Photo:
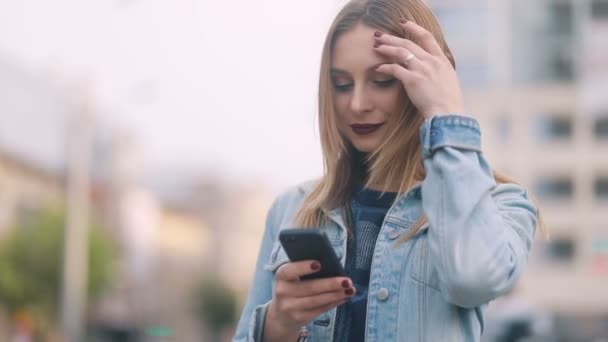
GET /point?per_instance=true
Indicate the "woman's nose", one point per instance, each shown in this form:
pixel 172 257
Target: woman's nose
pixel 360 101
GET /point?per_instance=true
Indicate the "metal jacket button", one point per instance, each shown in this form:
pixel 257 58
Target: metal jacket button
pixel 382 294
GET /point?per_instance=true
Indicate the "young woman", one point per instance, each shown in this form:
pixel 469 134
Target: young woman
pixel 427 232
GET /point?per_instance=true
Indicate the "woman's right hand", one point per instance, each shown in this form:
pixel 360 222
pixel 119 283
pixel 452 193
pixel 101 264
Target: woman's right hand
pixel 296 302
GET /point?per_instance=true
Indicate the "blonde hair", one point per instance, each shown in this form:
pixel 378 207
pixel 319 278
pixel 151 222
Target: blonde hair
pixel 397 163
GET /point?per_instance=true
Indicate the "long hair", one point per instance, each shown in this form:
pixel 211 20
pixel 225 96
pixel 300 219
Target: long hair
pixel 397 163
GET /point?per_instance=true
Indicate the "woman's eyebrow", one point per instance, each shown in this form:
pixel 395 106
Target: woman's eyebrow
pixel 334 70
pixel 338 71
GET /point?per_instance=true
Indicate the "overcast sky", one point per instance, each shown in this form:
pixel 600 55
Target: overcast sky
pixel 226 85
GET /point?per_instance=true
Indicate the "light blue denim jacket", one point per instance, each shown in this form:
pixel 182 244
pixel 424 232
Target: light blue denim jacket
pixel 435 286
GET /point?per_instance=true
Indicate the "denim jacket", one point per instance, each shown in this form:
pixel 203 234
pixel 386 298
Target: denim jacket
pixel 435 286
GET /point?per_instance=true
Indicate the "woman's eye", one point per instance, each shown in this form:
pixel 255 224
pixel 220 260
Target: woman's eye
pixel 343 87
pixel 346 87
pixel 385 83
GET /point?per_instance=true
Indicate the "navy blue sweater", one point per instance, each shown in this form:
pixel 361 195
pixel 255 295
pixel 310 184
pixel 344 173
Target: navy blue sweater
pixel 368 209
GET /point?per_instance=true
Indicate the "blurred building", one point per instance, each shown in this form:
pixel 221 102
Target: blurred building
pixel 31 150
pixel 162 252
pixel 161 272
pixel 236 217
pixel 25 188
pixel 162 248
pixel 534 74
pixel 197 227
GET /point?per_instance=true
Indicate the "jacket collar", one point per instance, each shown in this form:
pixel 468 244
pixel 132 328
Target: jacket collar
pixel 394 213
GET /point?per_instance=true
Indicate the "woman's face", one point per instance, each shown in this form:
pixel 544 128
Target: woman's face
pixel 364 99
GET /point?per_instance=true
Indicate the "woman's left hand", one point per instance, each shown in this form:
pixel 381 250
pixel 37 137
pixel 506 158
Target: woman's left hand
pixel 427 75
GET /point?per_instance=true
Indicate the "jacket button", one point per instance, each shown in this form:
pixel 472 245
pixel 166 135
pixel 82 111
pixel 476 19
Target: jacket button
pixel 382 294
pixel 393 234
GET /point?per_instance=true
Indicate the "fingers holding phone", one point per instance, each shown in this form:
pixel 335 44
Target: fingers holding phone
pixel 312 283
pixel 295 302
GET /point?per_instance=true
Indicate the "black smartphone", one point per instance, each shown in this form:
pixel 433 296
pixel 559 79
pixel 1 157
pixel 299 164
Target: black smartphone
pixel 311 244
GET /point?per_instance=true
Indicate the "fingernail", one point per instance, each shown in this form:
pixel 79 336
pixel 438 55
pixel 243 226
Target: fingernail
pixel 403 21
pixel 376 44
pixel 345 284
pixel 315 265
pixel 349 292
pixel 378 34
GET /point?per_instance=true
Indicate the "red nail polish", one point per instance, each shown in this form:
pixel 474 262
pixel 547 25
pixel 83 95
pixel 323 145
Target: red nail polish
pixel 315 266
pixel 345 284
pixel 349 292
pixel 378 34
pixel 403 21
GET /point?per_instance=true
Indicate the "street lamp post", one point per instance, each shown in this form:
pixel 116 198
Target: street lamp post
pixel 77 227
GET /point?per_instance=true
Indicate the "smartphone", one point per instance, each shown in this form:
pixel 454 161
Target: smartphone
pixel 311 244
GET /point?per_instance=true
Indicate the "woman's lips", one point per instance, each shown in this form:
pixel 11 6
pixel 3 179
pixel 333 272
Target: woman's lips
pixel 364 129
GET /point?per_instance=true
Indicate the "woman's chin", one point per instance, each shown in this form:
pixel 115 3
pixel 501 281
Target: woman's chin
pixel 365 147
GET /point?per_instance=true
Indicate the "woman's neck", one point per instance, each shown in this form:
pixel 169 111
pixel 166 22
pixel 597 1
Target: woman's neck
pixel 384 188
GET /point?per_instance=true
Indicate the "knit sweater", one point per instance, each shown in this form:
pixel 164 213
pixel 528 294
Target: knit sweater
pixel 368 209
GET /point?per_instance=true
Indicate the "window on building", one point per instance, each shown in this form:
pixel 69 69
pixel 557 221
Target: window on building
pixel 560 249
pixel 600 187
pixel 599 9
pixel 542 39
pixel 561 18
pixel 561 32
pixel 549 128
pixel 555 188
pixel 562 66
pixel 600 127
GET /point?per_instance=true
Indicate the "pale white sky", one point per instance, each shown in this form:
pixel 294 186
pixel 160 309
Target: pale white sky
pixel 223 84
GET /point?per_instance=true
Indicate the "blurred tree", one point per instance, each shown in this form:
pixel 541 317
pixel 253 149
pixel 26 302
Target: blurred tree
pixel 218 307
pixel 31 265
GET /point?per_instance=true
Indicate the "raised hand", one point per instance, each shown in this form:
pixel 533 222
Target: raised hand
pixel 427 75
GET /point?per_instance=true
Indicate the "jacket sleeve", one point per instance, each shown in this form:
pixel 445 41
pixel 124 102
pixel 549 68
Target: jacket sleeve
pixel 479 232
pixel 251 323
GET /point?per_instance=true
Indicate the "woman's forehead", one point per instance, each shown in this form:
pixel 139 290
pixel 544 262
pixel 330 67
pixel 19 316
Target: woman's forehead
pixel 354 50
